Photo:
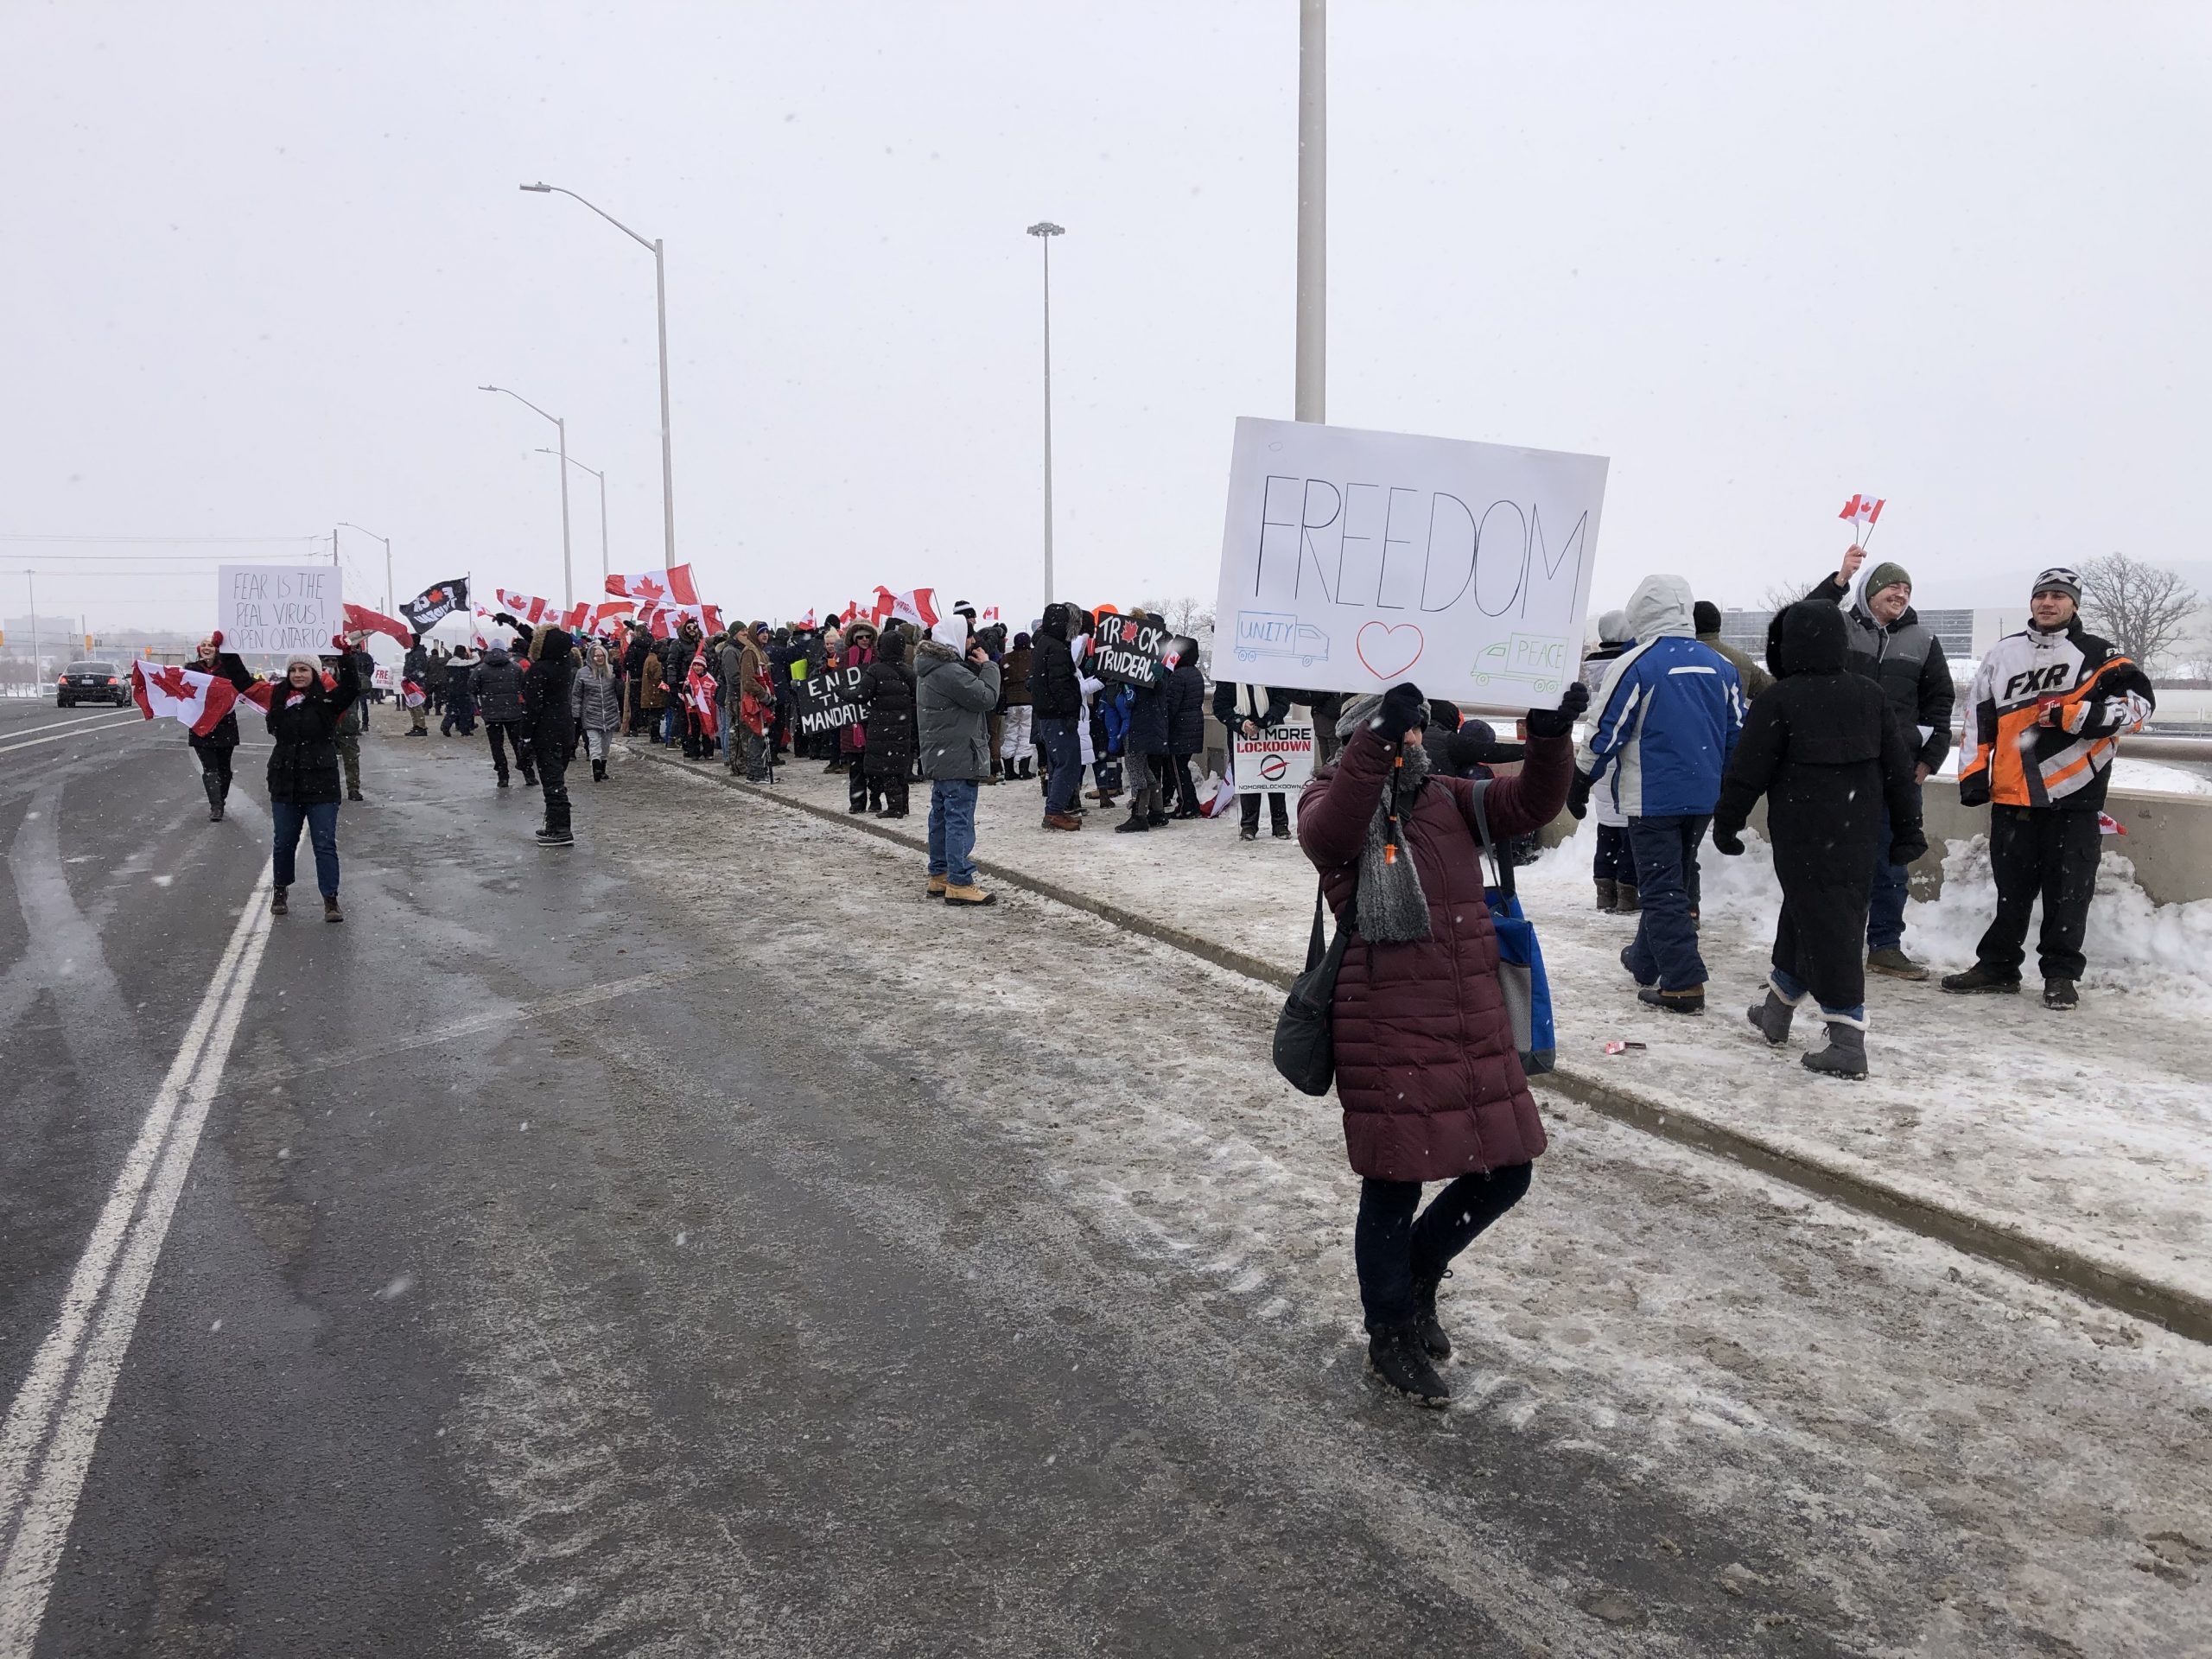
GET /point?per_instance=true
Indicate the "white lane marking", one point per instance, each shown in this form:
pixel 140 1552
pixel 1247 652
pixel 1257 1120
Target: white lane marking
pixel 52 1429
pixel 86 726
pixel 56 725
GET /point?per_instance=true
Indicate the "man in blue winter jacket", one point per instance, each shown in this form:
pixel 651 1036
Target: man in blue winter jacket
pixel 1664 723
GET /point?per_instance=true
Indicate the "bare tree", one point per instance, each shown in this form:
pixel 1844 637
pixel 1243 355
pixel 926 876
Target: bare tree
pixel 2144 609
pixel 1186 617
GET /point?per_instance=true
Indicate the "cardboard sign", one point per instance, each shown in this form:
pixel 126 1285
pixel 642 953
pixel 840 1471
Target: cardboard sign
pixel 819 703
pixel 1123 652
pixel 1280 758
pixel 279 608
pixel 1352 561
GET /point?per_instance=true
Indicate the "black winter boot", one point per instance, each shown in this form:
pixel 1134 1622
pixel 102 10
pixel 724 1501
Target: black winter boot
pixel 1626 902
pixel 1689 1000
pixel 599 771
pixel 1026 771
pixel 1134 824
pixel 2060 994
pixel 1844 1056
pixel 1396 1356
pixel 1609 896
pixel 1773 1017
pixel 1431 1334
pixel 1983 979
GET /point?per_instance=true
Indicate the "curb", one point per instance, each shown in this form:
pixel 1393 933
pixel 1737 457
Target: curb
pixel 2092 1278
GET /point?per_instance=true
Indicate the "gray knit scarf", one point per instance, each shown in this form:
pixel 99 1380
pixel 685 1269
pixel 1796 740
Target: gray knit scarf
pixel 1392 908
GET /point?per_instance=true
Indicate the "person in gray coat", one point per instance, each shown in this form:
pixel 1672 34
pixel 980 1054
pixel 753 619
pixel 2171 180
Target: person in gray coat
pixel 956 688
pixel 595 701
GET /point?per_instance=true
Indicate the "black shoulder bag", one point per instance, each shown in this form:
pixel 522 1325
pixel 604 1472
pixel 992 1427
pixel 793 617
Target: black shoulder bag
pixel 1306 1048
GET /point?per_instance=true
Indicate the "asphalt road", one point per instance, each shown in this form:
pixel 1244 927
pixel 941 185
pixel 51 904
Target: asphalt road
pixel 674 1245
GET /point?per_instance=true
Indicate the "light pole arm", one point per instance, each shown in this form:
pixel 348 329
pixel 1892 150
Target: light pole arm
pixel 524 402
pixel 561 190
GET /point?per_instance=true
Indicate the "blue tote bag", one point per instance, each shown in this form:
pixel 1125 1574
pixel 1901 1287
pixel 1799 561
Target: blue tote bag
pixel 1520 959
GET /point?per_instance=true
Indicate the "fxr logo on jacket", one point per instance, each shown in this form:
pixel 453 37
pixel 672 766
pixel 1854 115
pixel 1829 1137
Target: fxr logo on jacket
pixel 2048 738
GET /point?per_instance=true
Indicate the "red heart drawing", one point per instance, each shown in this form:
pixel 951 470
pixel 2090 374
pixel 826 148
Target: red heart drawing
pixel 1388 650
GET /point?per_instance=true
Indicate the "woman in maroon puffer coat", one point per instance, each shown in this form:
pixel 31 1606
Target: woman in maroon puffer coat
pixel 1426 1070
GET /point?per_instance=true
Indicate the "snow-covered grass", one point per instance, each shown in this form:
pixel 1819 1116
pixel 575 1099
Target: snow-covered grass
pixel 2090 1128
pixel 2149 775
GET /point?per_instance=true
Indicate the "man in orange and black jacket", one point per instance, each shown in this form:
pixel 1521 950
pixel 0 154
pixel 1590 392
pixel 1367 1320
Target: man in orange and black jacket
pixel 2043 723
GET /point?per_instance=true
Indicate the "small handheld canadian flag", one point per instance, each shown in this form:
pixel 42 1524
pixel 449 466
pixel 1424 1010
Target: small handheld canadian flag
pixel 1863 510
pixel 2108 825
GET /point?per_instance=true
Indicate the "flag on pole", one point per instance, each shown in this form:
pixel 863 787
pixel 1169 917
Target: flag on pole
pixel 197 699
pixel 806 621
pixel 917 606
pixel 1861 510
pixel 360 619
pixel 990 615
pixel 672 586
pixel 433 605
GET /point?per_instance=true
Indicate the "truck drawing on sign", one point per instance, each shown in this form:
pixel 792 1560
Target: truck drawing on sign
pixel 1278 634
pixel 1536 659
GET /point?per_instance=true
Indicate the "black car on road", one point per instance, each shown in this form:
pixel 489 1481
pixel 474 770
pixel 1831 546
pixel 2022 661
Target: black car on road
pixel 92 682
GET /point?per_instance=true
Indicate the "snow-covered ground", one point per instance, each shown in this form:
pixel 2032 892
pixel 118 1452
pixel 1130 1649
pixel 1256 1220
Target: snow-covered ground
pixel 2092 1129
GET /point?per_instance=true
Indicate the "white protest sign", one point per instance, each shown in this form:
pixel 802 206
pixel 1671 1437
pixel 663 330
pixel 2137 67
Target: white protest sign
pixel 1280 758
pixel 1353 560
pixel 273 608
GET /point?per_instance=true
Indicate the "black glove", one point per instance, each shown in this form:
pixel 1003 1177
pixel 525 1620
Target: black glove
pixel 1578 796
pixel 1403 708
pixel 1974 789
pixel 1907 843
pixel 1560 722
pixel 1730 842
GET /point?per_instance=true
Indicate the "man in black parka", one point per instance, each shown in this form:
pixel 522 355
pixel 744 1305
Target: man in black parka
pixel 1821 745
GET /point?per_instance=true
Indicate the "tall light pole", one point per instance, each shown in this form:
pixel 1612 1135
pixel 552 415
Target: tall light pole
pixel 347 523
pixel 567 580
pixel 602 477
pixel 1309 399
pixel 1044 230
pixel 660 302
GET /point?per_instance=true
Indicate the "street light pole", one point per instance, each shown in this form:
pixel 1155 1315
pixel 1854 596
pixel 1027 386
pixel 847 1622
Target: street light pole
pixel 660 304
pixel 1309 399
pixel 602 477
pixel 347 523
pixel 1044 230
pixel 568 579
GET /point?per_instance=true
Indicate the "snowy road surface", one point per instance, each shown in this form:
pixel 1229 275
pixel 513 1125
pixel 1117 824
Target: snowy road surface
pixel 697 1242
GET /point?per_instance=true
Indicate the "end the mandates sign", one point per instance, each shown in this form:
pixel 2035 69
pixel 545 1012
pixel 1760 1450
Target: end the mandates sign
pixel 1352 561
pixel 279 607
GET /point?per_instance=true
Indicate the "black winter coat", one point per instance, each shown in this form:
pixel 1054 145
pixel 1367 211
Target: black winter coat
pixel 224 733
pixel 1054 691
pixel 549 696
pixel 303 766
pixel 1147 732
pixel 888 689
pixel 1907 661
pixel 1821 745
pixel 496 683
pixel 1275 706
pixel 1187 709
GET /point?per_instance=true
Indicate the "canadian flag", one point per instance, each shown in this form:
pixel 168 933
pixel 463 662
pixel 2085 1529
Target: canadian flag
pixel 484 631
pixel 608 610
pixel 1220 798
pixel 200 701
pixel 806 621
pixel 258 693
pixel 916 604
pixel 527 608
pixel 852 609
pixel 1861 510
pixel 699 695
pixel 990 615
pixel 360 619
pixel 2108 825
pixel 656 586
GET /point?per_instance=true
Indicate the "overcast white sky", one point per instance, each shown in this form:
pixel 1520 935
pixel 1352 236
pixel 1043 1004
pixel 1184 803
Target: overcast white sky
pixel 256 258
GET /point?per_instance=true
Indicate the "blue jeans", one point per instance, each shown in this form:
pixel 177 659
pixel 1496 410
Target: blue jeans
pixel 321 823
pixel 952 831
pixel 1886 905
pixel 1665 949
pixel 1063 762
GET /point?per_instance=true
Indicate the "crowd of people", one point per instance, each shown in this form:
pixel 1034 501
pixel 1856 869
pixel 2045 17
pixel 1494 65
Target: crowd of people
pixel 1681 736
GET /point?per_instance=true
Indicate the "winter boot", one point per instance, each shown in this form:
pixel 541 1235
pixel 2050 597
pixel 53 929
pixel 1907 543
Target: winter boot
pixel 1893 962
pixel 1248 832
pixel 1135 823
pixel 1609 896
pixel 1982 979
pixel 352 794
pixel 555 838
pixel 1689 1000
pixel 276 905
pixel 1396 1355
pixel 937 887
pixel 1846 1054
pixel 1430 1332
pixel 1773 1017
pixel 2059 993
pixel 1625 903
pixel 1157 820
pixel 970 894
pixel 330 911
pixel 1062 821
pixel 599 771
pixel 1026 772
pixel 214 788
pixel 1628 955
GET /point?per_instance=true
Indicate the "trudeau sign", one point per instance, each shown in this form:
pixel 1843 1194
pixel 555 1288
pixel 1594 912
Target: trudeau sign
pixel 1352 561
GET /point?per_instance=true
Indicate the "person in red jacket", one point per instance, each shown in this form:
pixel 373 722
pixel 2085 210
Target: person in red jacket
pixel 1426 1070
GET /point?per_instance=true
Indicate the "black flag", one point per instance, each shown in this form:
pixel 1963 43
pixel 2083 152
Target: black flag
pixel 433 605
